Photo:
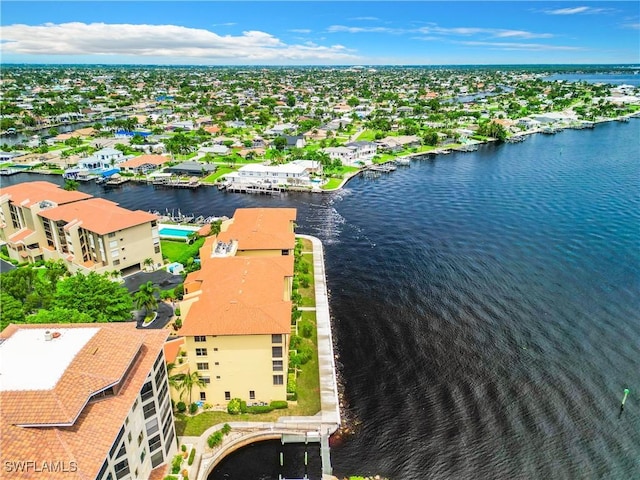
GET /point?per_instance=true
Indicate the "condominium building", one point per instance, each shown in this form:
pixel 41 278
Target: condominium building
pixel 237 308
pixel 84 401
pixel 41 221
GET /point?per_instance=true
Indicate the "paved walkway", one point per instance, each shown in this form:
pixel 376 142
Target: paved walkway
pixel 325 422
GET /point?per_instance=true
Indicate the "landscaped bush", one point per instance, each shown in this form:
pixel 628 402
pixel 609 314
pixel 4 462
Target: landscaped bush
pixel 193 408
pixel 181 407
pixel 294 342
pixel 183 448
pixel 307 330
pixel 243 406
pixel 215 439
pixel 292 387
pixel 278 404
pixel 207 406
pixel 192 455
pixel 260 409
pixel 226 428
pixel 176 463
pixel 233 407
pixel 304 281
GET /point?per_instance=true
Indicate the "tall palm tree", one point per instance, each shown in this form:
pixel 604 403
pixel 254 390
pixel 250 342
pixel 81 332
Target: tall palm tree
pixel 190 380
pixel 145 297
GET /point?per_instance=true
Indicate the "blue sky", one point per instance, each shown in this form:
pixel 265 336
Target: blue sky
pixel 320 33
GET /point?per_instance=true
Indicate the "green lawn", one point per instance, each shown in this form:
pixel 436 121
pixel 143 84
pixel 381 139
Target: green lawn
pixel 177 251
pixel 332 183
pixel 309 377
pixel 367 135
pixel 218 173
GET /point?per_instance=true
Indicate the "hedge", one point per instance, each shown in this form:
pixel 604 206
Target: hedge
pixel 278 404
pixel 192 455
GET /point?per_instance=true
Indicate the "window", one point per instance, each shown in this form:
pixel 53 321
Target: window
pixel 154 443
pixel 206 380
pixel 277 338
pixel 142 455
pixel 147 391
pixel 227 395
pixel 203 395
pixel 122 468
pixel 140 438
pixel 215 349
pixel 252 394
pixel 156 249
pixel 157 459
pixel 202 366
pixel 277 365
pixel 116 262
pixel 278 380
pixel 276 352
pixel 200 338
pixel 285 252
pixel 201 352
pixel 217 363
pixel 149 409
pixel 152 426
pixel 129 437
pixel 217 377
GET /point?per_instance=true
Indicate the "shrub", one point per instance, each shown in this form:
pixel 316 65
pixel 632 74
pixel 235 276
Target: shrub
pixel 192 455
pixel 304 281
pixel 181 407
pixel 260 409
pixel 193 408
pixel 307 330
pixel 177 311
pixel 291 383
pixel 243 406
pixel 215 439
pixel 176 463
pixel 183 448
pixel 233 407
pixel 295 284
pixel 207 406
pixel 278 404
pixel 294 342
pixel 226 428
pixel 185 474
pixel 179 291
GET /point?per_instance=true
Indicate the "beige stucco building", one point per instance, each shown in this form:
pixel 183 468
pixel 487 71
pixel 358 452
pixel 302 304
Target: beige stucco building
pixel 237 308
pixel 41 221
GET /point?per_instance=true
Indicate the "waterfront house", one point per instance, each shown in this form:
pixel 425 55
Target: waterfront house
pixel 192 168
pixel 101 161
pixel 297 173
pixel 395 144
pixel 84 401
pixel 144 164
pixel 237 308
pixel 41 221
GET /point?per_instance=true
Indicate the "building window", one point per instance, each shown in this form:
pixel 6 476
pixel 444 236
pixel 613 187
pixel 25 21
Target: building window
pixel 227 395
pixel 203 395
pixel 142 455
pixel 202 366
pixel 129 437
pixel 215 349
pixel 140 438
pixel 157 459
pixel 200 338
pixel 201 352
pixel 276 352
pixel 156 249
pixel 149 409
pixel 217 363
pixel 278 380
pixel 217 377
pixel 277 366
pixel 285 252
pixel 154 443
pixel 111 235
pixel 122 468
pixel 206 380
pixel 147 391
pixel 276 338
pixel 252 394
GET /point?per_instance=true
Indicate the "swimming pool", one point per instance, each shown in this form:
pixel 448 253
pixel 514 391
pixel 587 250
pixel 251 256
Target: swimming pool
pixel 175 232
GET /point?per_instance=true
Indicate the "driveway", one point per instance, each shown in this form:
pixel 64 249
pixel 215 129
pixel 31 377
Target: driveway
pixel 165 312
pixel 160 278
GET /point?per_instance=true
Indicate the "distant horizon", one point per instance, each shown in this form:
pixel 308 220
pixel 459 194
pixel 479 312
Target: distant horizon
pixel 355 65
pixel 312 33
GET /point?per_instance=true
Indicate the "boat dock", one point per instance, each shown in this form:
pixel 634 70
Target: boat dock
pixel 252 188
pixel 176 183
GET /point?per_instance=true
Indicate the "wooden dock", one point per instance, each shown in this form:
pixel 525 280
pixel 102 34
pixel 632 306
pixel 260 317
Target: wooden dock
pixel 173 183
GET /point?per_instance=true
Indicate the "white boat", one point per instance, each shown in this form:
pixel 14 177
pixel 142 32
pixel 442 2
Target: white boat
pixel 404 161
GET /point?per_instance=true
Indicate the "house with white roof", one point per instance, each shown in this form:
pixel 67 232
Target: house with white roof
pixel 296 173
pixel 100 162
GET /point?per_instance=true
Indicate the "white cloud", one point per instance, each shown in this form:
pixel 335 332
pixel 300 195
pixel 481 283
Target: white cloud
pixel 434 29
pixel 518 46
pixel 227 24
pixel 168 41
pixel 346 29
pixel 575 11
pixel 300 30
pixel 632 26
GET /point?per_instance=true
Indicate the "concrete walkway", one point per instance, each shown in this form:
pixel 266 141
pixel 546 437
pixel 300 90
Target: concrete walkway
pixel 323 423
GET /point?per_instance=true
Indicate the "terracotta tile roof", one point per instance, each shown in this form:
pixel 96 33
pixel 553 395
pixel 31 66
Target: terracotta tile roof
pixel 104 358
pixel 171 349
pixel 240 296
pixel 36 192
pixel 144 160
pixel 20 235
pixel 98 215
pixel 262 229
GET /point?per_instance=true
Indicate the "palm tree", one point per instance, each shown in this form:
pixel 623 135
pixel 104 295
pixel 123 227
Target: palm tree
pixel 190 380
pixel 145 297
pixel 174 379
pixel 148 262
pixel 71 185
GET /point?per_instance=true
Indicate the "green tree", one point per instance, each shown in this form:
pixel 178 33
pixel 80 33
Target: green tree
pixel 279 143
pixel 353 102
pixel 146 298
pixel 71 185
pixel 95 295
pixel 59 315
pixel 188 381
pixel 11 310
pixel 137 140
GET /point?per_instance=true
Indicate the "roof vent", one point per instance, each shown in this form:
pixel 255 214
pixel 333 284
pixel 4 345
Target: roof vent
pixel 48 336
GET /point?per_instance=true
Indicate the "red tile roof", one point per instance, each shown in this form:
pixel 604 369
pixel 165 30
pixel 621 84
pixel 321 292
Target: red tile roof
pixel 145 160
pixel 36 192
pixel 172 348
pixel 103 360
pixel 241 296
pixel 262 229
pixel 98 215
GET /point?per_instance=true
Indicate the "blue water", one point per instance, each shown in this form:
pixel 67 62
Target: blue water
pixel 485 308
pixel 174 232
pixel 612 78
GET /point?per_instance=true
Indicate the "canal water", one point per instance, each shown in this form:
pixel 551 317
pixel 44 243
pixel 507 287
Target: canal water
pixel 485 307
